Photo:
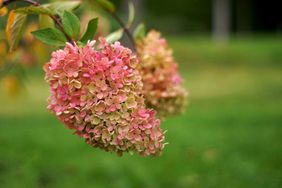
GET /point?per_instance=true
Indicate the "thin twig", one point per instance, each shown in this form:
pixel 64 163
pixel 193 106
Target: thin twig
pixel 123 25
pixel 125 28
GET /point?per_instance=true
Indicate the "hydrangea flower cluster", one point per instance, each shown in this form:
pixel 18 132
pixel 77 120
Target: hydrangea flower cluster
pixel 162 83
pixel 96 90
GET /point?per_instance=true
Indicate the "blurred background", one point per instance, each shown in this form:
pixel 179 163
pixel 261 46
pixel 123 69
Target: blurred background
pixel 230 54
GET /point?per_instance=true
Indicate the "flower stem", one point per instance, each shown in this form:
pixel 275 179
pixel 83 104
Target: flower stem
pixel 125 28
pixel 122 24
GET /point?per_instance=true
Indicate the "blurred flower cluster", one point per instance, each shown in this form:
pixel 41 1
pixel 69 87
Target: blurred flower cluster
pixel 163 90
pixel 97 91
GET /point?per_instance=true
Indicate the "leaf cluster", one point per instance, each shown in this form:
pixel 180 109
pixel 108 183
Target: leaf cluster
pixel 67 24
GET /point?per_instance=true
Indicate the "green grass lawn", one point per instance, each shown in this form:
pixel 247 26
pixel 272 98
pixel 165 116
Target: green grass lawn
pixel 229 137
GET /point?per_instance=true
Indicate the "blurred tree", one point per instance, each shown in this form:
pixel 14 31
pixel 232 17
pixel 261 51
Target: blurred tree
pixel 178 16
pixel 221 19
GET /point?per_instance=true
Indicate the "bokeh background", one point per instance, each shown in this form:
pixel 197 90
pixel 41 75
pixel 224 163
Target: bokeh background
pixel 230 54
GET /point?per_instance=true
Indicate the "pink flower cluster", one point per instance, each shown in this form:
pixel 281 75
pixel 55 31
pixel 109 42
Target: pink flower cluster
pixel 162 83
pixel 97 91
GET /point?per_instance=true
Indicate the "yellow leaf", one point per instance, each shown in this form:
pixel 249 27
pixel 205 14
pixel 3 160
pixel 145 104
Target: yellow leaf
pixel 3 11
pixel 10 22
pixel 14 28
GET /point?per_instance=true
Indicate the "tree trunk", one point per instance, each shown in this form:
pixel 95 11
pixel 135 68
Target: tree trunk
pixel 221 19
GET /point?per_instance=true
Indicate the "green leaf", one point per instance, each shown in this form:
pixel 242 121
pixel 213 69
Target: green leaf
pixel 50 36
pixel 131 13
pixel 60 7
pixel 71 24
pixel 140 32
pixel 115 36
pixel 106 5
pixel 34 10
pixel 14 28
pixel 91 30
